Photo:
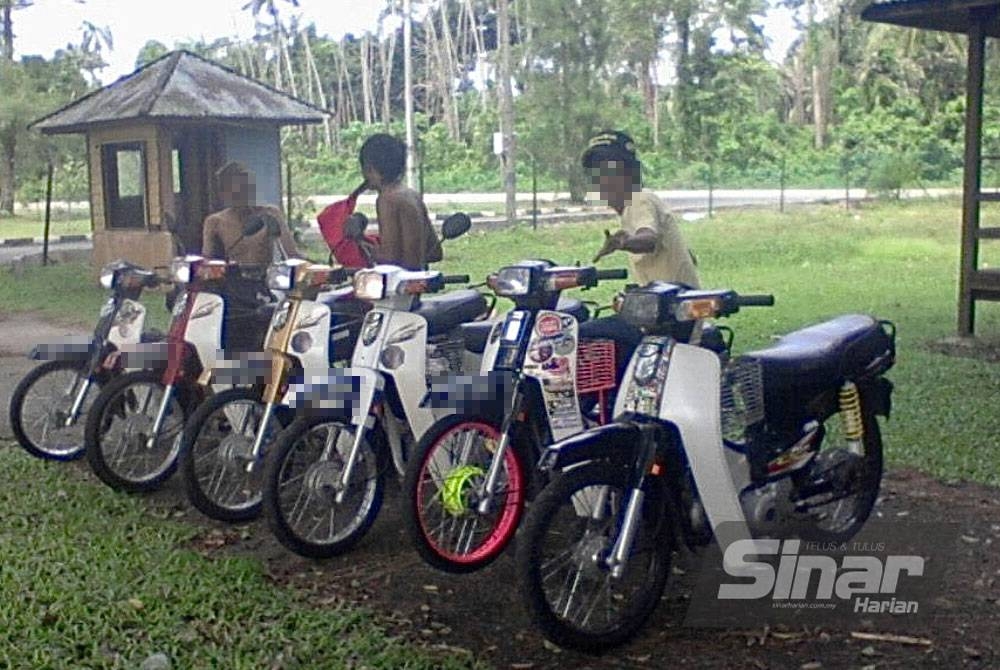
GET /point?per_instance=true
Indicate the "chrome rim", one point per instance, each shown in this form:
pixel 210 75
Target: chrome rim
pixel 128 421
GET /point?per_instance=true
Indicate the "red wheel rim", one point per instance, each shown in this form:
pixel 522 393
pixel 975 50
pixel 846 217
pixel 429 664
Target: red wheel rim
pixel 508 510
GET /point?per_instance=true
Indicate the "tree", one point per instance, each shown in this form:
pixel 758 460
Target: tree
pixel 506 95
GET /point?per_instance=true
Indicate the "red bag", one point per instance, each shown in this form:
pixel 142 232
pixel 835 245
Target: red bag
pixel 331 225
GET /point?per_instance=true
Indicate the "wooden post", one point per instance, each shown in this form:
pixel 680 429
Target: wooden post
pixel 973 174
pixel 48 214
pixel 288 192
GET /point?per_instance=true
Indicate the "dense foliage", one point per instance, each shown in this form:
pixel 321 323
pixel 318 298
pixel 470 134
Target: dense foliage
pixel 870 104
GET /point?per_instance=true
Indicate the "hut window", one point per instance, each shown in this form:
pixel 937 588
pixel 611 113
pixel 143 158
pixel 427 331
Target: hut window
pixel 125 184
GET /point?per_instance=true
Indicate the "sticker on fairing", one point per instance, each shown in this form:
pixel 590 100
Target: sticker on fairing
pixel 551 360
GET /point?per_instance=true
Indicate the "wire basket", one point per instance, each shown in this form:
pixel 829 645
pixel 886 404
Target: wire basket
pixel 742 397
pixel 595 366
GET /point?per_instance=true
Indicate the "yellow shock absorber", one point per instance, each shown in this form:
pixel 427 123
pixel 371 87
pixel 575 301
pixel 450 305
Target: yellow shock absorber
pixel 850 412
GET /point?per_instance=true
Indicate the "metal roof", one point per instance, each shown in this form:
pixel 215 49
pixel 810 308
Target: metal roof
pixel 954 16
pixel 181 86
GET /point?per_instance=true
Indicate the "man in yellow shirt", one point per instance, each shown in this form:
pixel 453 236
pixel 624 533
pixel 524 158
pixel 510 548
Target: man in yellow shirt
pixel 648 233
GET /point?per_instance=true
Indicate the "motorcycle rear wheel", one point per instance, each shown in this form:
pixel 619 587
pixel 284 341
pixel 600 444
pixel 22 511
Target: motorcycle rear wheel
pixel 564 539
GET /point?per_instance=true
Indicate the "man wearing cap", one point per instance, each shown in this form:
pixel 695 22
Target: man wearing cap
pixel 648 233
pixel 225 235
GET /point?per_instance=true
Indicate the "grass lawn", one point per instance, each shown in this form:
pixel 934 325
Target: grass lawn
pixel 135 589
pixel 32 225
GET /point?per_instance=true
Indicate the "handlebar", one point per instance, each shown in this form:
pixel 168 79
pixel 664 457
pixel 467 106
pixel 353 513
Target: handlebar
pixel 455 279
pixel 604 275
pixel 762 300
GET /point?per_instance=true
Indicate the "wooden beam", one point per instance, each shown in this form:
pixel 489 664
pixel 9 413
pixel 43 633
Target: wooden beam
pixel 973 173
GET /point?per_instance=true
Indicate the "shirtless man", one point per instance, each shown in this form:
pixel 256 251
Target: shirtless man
pixel 406 237
pixel 223 232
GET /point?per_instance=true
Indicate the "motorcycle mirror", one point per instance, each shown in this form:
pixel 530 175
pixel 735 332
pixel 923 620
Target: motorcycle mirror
pixel 355 226
pixel 456 225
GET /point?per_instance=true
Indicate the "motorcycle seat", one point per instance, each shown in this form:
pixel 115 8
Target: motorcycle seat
pixel 476 334
pixel 447 311
pixel 823 354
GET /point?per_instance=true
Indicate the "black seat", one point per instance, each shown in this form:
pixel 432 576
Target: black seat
pixel 446 311
pixel 476 335
pixel 823 354
pixel 574 307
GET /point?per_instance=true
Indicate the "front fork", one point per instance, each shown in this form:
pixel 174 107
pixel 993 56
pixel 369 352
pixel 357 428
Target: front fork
pixel 617 557
pixel 161 414
pixel 81 394
pixel 493 474
pixel 258 440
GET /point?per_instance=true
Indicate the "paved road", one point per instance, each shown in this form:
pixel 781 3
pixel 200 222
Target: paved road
pixel 690 201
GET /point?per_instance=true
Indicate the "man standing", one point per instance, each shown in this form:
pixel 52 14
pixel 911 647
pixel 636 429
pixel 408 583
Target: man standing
pixel 406 237
pixel 225 234
pixel 648 233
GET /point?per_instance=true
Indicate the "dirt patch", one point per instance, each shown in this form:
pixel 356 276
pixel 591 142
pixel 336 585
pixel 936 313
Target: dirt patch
pixel 482 615
pixel 968 347
pixel 21 331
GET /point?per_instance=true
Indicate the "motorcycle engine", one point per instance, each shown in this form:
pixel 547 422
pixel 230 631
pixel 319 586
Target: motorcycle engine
pixel 769 508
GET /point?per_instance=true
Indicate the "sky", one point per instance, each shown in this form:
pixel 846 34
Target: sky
pixel 51 24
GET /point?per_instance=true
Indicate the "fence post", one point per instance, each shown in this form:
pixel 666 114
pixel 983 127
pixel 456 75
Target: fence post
pixel 48 214
pixel 781 201
pixel 711 187
pixel 534 194
pixel 288 192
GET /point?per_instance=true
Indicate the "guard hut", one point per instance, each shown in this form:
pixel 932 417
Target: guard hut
pixel 978 19
pixel 155 140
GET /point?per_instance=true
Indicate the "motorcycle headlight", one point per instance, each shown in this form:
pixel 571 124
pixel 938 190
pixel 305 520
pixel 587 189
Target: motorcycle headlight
pixel 181 269
pixel 369 285
pixel 107 278
pixel 281 277
pixel 512 281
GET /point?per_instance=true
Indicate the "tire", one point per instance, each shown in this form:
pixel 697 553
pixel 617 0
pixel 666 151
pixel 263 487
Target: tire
pixel 68 443
pixel 853 512
pixel 118 399
pixel 214 467
pixel 553 514
pixel 296 468
pixel 441 496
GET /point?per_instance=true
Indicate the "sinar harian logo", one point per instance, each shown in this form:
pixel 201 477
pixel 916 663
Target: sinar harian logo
pixel 868 582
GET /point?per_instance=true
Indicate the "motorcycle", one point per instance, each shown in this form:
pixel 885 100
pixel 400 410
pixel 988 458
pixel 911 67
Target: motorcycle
pixel 469 477
pixel 49 403
pixel 778 442
pixel 325 479
pixel 133 430
pixel 224 441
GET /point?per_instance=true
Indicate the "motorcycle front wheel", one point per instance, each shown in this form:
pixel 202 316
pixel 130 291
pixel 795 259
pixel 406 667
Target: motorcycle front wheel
pixel 121 449
pixel 443 488
pixel 222 478
pixel 309 508
pixel 40 407
pixel 562 554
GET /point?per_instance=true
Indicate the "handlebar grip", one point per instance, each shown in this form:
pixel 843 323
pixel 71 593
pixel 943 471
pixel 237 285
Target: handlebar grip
pixel 456 279
pixel 604 275
pixel 762 300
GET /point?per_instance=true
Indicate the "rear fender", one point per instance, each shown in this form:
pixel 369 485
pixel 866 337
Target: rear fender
pixel 877 395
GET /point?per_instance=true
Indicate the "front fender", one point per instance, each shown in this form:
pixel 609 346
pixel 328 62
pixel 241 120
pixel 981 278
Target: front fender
pixel 341 392
pixel 615 442
pixel 488 396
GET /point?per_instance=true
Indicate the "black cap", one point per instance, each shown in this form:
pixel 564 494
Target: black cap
pixel 610 145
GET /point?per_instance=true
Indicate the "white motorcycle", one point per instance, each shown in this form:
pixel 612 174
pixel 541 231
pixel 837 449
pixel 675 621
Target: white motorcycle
pixel 225 440
pixel 133 431
pixel 48 405
pixel 324 482
pixel 779 442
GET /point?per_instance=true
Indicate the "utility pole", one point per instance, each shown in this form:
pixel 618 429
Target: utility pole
pixel 408 92
pixel 507 111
